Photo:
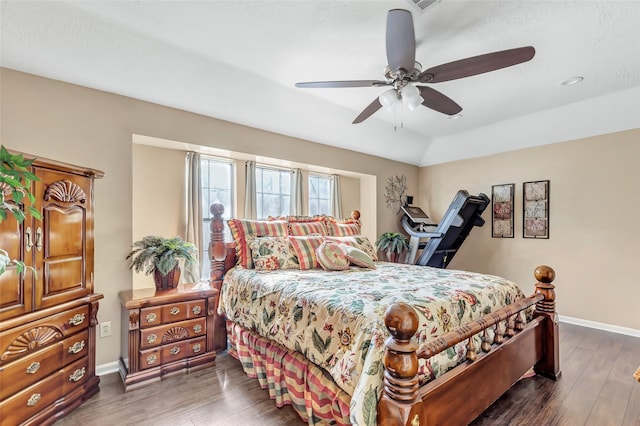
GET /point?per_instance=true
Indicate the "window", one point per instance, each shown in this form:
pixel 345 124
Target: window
pixel 216 179
pixel 273 192
pixel 319 195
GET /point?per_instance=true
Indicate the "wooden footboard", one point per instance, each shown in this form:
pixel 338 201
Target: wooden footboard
pixel 458 397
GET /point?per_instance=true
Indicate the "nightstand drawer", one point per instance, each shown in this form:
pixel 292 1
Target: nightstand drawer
pixel 163 334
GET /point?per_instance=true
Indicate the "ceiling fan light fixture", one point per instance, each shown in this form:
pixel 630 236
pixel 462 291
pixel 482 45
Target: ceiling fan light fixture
pixel 411 97
pixel 389 98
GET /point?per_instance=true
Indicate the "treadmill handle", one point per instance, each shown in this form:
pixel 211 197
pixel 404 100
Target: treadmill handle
pixel 410 231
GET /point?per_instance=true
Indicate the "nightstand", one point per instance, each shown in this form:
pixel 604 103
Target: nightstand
pixel 166 332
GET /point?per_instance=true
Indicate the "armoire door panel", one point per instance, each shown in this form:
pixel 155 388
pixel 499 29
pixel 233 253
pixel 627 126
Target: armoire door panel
pixel 15 296
pixel 63 233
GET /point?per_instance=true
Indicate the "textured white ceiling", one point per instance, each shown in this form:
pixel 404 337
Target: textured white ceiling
pixel 239 61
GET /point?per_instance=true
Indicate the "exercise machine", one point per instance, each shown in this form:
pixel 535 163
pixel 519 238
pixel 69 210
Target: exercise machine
pixel 442 240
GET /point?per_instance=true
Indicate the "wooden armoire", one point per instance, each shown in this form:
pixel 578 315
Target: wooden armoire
pixel 48 318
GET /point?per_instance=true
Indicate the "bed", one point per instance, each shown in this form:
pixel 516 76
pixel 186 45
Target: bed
pixel 395 345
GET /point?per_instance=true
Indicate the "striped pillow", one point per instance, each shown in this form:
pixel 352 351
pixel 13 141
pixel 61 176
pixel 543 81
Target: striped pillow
pixel 343 228
pixel 305 249
pixel 243 228
pixel 307 228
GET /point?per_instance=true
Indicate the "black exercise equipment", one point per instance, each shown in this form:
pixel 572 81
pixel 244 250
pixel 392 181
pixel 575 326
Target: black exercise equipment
pixel 445 238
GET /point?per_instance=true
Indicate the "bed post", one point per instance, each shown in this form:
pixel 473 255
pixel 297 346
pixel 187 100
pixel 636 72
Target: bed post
pixel 400 403
pixel 549 365
pixel 217 256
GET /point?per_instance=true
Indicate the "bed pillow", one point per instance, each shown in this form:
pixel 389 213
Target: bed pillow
pixel 243 228
pixel 357 241
pixel 305 250
pixel 332 257
pixel 342 228
pixel 307 228
pixel 358 257
pixel 271 253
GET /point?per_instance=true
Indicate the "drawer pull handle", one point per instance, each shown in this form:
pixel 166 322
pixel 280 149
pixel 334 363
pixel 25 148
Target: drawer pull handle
pixel 152 317
pixel 152 338
pixel 33 400
pixel 196 310
pixel 77 319
pixel 197 348
pixel 77 347
pixel 151 359
pixel 197 328
pixel 174 350
pixel 77 375
pixel 174 311
pixel 33 368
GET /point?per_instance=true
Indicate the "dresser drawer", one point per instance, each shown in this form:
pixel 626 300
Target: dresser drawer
pixel 28 370
pixel 163 334
pixel 19 341
pixel 75 374
pixel 75 347
pixel 32 400
pixel 150 358
pixel 164 314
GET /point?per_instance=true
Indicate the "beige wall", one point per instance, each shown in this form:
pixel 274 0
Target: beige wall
pixel 159 176
pixel 87 127
pixel 594 243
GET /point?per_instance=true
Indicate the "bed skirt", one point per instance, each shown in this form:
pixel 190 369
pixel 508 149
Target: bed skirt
pixel 290 378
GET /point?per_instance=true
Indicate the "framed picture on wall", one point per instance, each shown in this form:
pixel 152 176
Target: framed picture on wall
pixel 535 206
pixel 502 210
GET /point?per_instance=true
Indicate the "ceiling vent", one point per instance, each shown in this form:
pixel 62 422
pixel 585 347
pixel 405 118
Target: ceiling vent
pixel 422 4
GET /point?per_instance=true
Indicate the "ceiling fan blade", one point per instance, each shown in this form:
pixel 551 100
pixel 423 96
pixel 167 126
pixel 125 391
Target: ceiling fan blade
pixel 438 102
pixel 346 83
pixel 368 111
pixel 476 65
pixel 401 40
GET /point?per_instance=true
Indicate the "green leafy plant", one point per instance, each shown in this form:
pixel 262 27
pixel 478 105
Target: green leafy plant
pixel 153 253
pixel 392 242
pixel 15 181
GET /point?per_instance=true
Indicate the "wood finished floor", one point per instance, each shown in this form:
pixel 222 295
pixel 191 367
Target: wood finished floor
pixel 596 388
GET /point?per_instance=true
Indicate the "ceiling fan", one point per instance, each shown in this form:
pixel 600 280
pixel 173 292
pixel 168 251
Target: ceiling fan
pixel 405 75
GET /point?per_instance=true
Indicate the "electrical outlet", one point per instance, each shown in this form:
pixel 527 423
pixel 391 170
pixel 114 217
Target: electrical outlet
pixel 105 329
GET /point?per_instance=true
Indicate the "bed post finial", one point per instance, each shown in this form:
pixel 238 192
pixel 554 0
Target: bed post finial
pixel 549 365
pixel 217 248
pixel 400 403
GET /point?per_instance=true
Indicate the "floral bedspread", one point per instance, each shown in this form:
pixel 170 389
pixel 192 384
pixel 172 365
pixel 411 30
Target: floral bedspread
pixel 335 319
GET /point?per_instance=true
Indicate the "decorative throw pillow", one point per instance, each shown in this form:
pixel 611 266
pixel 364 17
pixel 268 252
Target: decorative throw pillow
pixel 305 250
pixel 357 241
pixel 243 228
pixel 358 257
pixel 332 257
pixel 307 228
pixel 342 228
pixel 271 253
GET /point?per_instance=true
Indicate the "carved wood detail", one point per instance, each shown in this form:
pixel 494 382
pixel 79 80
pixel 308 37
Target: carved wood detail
pixel 175 333
pixel 34 338
pixel 65 191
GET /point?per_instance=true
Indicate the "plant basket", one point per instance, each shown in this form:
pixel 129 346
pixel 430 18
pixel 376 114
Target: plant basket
pixel 170 280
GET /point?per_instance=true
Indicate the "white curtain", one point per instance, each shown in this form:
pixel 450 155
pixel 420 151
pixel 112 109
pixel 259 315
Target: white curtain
pixel 295 208
pixel 193 230
pixel 336 199
pixel 251 199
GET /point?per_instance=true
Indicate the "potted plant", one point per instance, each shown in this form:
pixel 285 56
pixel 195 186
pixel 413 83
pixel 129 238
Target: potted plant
pixel 393 245
pixel 161 257
pixel 15 181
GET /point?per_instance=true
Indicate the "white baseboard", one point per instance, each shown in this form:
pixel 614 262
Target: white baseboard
pixel 108 368
pixel 600 326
